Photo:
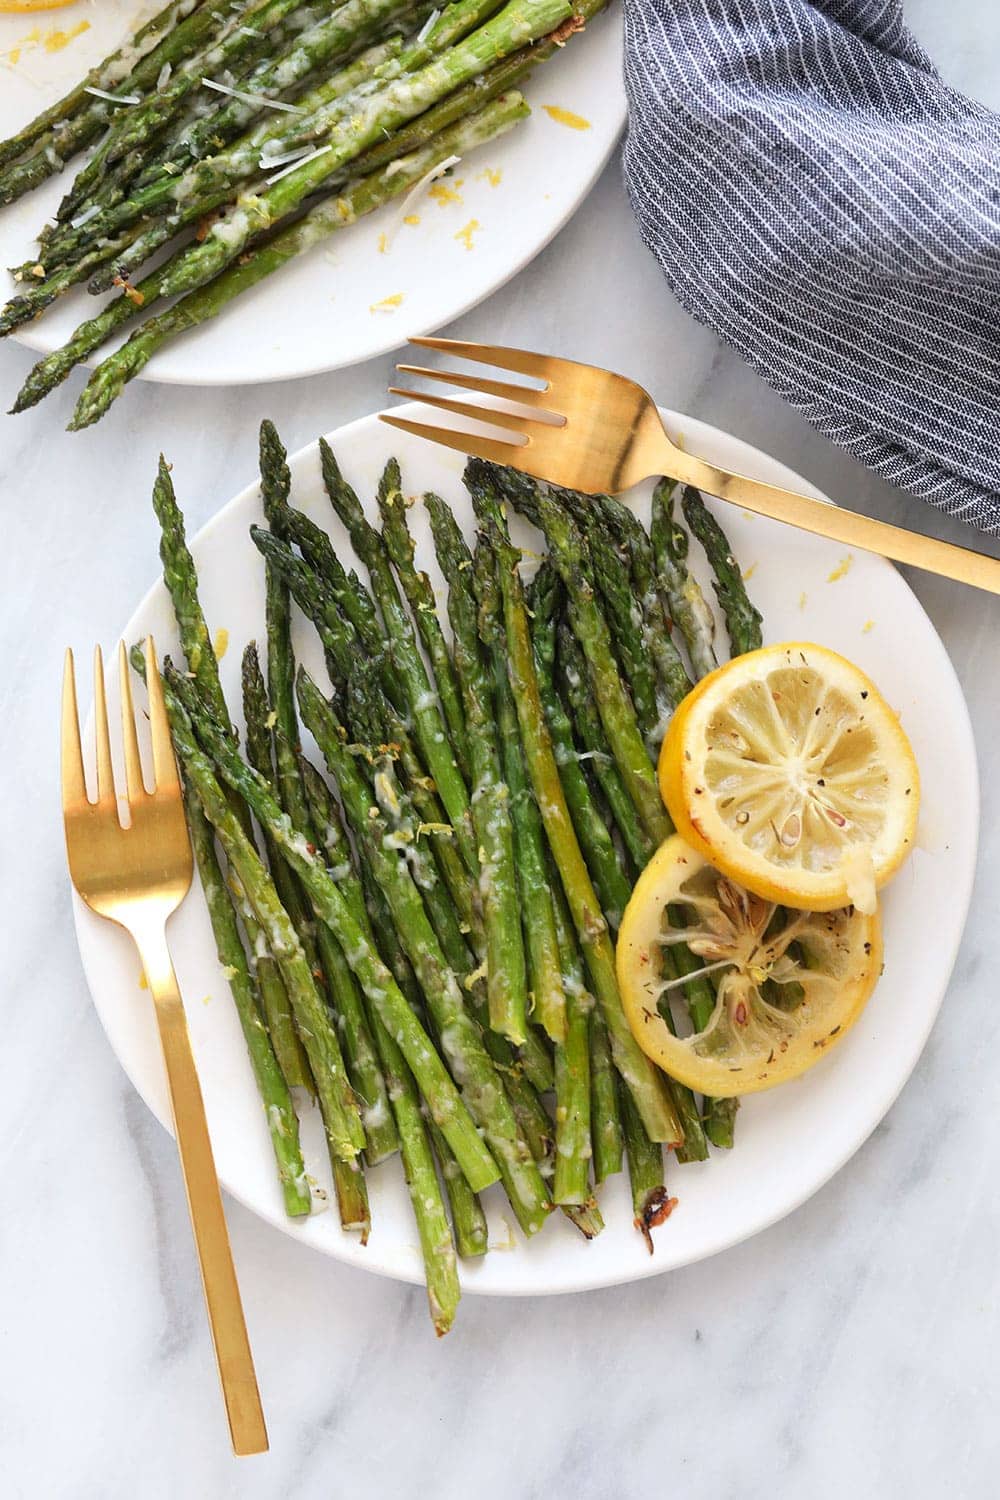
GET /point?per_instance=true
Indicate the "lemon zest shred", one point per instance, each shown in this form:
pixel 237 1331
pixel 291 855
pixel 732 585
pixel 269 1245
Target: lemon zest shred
pixel 842 569
pixel 446 192
pixel 55 40
pixel 52 40
pixel 566 117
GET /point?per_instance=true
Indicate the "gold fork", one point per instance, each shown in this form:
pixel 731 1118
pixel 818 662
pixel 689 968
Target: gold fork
pixel 138 876
pixel 595 431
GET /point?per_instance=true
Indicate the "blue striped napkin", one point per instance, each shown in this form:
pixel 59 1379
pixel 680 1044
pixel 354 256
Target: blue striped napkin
pixel 821 199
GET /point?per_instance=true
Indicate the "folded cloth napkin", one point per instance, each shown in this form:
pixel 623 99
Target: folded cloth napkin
pixel 821 199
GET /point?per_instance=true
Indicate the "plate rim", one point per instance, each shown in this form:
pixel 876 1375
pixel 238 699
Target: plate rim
pixel 345 1248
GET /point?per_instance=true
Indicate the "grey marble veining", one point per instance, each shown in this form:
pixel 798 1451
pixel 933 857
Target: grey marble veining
pixel 850 1349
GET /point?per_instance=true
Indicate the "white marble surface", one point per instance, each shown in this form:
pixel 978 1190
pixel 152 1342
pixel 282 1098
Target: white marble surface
pixel 851 1348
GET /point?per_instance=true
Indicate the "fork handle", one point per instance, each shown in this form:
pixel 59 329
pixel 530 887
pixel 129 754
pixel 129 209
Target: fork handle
pixel 846 526
pixel 218 1275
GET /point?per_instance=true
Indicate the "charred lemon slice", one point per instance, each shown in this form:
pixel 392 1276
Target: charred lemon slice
pixel 790 984
pixel 789 771
pixel 28 7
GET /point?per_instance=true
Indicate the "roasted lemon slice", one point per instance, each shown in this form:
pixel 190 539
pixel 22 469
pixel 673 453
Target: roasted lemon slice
pixel 27 7
pixel 791 983
pixel 791 773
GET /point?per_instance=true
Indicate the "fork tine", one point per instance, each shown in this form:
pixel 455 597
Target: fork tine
pixel 510 421
pixel 105 768
pixel 74 782
pixel 523 361
pixel 495 451
pixel 130 740
pixel 505 389
pixel 164 764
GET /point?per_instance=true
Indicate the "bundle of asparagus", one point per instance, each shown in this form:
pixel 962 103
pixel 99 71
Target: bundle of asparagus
pixel 425 942
pixel 250 133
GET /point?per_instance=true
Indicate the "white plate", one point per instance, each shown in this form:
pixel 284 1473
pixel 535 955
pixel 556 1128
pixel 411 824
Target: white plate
pixel 790 1141
pixel 316 313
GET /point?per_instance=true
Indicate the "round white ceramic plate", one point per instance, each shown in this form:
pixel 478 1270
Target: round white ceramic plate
pixel 790 1141
pixel 323 310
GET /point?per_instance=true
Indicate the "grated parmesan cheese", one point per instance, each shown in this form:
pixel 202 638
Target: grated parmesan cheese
pixel 405 211
pixel 248 98
pixel 85 217
pixel 294 166
pixel 89 88
pixel 268 163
